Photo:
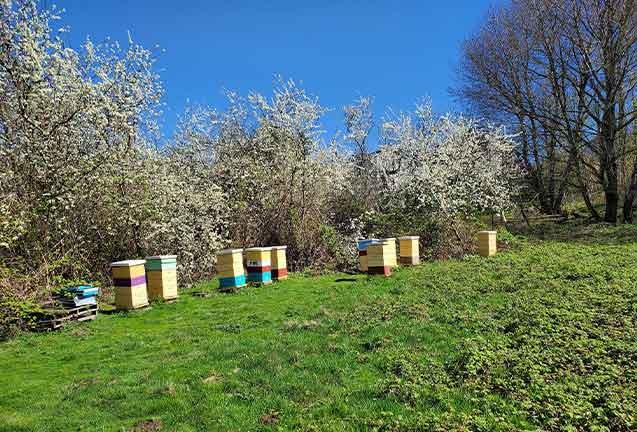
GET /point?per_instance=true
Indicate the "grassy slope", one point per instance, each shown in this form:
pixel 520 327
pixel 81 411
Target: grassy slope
pixel 543 335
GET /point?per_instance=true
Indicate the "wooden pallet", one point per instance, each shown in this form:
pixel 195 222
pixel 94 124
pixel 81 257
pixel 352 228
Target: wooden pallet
pixel 55 317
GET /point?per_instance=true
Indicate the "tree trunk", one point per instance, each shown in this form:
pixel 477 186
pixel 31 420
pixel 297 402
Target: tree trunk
pixel 583 187
pixel 581 183
pixel 612 203
pixel 629 197
pixel 564 182
pixel 628 204
pixel 589 205
pixel 611 192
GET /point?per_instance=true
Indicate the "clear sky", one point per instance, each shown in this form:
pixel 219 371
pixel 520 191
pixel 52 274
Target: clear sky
pixel 395 51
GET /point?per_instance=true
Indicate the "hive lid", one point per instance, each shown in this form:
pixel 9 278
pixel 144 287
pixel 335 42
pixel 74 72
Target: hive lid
pixel 259 249
pixel 162 257
pixel 389 238
pixel 487 232
pixel 365 243
pixel 279 247
pixel 409 238
pixel 79 287
pixel 128 263
pixel 229 251
pixel 381 242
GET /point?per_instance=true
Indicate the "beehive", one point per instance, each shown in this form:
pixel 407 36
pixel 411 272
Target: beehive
pixel 409 250
pixel 487 243
pixel 161 277
pixel 279 263
pixel 393 259
pixel 378 258
pixel 129 280
pixel 362 252
pixel 259 265
pixel 230 269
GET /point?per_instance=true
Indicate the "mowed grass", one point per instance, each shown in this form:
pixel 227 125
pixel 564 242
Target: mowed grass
pixel 542 336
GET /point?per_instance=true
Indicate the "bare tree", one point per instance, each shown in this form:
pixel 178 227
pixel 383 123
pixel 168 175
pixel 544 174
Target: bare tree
pixel 565 73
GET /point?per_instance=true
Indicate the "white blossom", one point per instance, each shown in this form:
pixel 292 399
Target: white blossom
pixel 451 166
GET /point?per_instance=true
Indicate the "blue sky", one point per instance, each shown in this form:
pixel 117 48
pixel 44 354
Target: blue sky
pixel 394 51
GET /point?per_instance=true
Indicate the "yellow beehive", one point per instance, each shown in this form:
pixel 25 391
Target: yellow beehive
pixel 129 280
pixel 259 265
pixel 379 258
pixel 161 277
pixel 230 269
pixel 127 269
pixel 393 259
pixel 487 243
pixel 131 297
pixel 409 250
pixel 362 260
pixel 279 263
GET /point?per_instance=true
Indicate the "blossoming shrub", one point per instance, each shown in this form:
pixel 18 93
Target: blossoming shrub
pixel 81 182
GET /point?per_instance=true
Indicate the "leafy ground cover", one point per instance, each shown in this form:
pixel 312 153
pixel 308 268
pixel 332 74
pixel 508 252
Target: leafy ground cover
pixel 540 337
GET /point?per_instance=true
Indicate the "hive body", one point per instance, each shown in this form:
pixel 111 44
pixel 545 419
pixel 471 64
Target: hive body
pixel 161 277
pixel 393 259
pixel 409 250
pixel 230 269
pixel 487 243
pixel 362 246
pixel 378 258
pixel 129 280
pixel 279 263
pixel 259 265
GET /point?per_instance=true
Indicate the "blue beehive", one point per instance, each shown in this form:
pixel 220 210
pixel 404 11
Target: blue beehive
pixel 81 295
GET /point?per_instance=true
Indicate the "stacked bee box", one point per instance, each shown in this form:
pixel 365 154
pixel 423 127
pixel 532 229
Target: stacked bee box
pixel 279 263
pixel 393 259
pixel 259 265
pixel 362 246
pixel 129 279
pixel 379 258
pixel 161 275
pixel 487 243
pixel 77 303
pixel 230 269
pixel 409 250
pixel 78 295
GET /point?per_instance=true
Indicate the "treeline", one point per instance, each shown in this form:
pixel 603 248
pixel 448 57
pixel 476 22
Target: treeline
pixel 86 177
pixel 563 73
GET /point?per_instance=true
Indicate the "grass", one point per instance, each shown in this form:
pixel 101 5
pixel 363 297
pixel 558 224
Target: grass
pixel 542 336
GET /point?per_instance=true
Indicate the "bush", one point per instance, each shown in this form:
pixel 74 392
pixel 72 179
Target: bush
pixel 439 239
pixel 15 312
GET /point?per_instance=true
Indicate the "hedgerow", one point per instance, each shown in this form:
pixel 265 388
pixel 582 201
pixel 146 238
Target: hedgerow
pixel 86 177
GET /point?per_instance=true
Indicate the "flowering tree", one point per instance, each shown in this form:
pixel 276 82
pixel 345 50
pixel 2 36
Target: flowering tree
pixel 450 166
pixel 359 121
pixel 269 159
pixel 81 181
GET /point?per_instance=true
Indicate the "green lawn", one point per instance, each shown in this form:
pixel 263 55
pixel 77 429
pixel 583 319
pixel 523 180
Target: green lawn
pixel 542 336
